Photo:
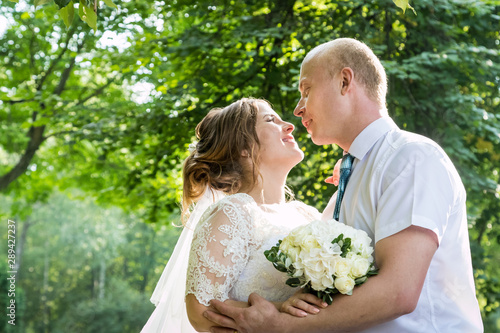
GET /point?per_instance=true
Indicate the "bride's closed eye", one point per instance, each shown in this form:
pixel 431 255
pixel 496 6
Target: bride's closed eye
pixel 270 119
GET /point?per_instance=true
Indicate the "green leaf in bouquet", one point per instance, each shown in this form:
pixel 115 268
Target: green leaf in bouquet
pixel 373 271
pixel 327 298
pixel 293 282
pixel 338 239
pixel 346 247
pixel 360 280
pixel 270 255
pixel 280 266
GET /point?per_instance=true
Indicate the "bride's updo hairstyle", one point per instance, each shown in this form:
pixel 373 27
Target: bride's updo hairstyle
pixel 224 136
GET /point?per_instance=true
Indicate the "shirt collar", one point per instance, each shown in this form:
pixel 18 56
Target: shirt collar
pixel 370 135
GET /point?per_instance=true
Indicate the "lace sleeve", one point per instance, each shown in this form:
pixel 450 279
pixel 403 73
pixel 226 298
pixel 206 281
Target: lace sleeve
pixel 219 252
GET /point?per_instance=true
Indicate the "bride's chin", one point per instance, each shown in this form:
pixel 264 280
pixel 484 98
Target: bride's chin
pixel 297 159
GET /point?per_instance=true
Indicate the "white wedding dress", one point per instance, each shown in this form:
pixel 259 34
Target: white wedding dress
pixel 243 231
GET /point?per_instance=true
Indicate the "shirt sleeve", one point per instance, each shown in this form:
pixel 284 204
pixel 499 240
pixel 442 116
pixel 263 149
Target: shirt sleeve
pixel 420 187
pixel 219 252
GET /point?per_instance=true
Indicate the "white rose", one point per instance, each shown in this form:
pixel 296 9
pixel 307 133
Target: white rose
pixel 298 234
pixel 344 285
pixel 308 243
pixel 342 267
pixel 293 253
pixel 321 231
pixel 285 245
pixel 330 265
pixel 359 267
pixel 315 270
pixel 366 251
pixel 316 279
pixel 362 242
pixel 327 281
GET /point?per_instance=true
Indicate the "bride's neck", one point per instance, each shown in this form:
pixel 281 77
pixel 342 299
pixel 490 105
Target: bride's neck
pixel 270 188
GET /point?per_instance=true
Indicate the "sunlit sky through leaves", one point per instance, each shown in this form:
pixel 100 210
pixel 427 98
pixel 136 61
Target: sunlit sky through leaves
pixel 141 91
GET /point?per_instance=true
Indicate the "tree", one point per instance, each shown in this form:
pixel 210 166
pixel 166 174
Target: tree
pixel 442 66
pixel 84 265
pixel 88 9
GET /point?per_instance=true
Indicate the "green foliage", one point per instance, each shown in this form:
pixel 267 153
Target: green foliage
pixel 69 118
pixel 122 310
pixel 87 10
pixel 6 298
pixel 404 5
pixel 84 267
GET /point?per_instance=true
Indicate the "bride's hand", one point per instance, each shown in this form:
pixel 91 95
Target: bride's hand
pixel 300 304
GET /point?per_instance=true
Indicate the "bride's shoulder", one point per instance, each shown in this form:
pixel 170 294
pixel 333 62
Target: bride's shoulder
pixel 309 211
pixel 237 199
pixel 230 206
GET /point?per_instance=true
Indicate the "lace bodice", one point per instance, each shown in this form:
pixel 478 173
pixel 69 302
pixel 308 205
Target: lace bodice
pixel 227 254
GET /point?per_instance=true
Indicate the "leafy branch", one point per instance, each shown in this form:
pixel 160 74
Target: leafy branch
pixel 87 10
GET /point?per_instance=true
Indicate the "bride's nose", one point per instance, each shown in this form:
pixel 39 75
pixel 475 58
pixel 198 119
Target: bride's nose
pixel 288 128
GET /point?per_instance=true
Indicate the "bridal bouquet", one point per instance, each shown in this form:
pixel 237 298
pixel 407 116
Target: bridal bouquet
pixel 324 257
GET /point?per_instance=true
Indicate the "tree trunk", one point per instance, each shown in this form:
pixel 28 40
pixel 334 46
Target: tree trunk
pixel 36 139
pixel 45 307
pixel 20 247
pixel 35 133
pixel 102 278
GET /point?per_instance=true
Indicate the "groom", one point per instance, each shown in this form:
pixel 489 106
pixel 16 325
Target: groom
pixel 403 191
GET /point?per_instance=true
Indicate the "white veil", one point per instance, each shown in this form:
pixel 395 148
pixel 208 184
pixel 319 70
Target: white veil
pixel 170 313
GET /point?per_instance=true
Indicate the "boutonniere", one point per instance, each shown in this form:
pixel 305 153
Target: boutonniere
pixel 334 179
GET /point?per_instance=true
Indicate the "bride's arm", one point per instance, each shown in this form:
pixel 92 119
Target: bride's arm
pixel 219 253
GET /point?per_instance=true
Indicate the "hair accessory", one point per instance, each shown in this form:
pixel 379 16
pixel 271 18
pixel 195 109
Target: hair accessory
pixel 192 146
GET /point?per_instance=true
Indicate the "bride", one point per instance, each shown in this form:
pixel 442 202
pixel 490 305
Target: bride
pixel 235 179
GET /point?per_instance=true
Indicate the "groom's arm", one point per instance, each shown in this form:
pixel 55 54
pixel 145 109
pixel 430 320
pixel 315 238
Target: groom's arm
pixel 403 261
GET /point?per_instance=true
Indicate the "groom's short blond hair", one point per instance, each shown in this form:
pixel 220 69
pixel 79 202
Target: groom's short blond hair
pixel 347 52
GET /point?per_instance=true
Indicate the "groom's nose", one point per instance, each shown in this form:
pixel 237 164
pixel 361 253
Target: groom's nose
pixel 299 109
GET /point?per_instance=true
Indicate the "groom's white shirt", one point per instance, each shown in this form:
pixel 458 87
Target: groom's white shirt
pixel 401 179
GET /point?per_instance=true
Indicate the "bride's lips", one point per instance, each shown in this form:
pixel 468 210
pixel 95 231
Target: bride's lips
pixel 288 138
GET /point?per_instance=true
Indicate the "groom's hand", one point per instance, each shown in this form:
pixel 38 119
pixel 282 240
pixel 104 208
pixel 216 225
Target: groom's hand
pixel 261 316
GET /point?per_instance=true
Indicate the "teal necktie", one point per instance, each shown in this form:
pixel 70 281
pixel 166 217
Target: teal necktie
pixel 345 173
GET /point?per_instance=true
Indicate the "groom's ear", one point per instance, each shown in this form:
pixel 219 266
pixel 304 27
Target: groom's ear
pixel 245 153
pixel 346 76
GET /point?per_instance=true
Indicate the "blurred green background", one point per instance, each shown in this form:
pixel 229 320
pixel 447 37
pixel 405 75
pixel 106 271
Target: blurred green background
pixel 95 125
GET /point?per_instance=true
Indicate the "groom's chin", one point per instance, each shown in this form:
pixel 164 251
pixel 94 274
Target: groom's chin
pixel 319 141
